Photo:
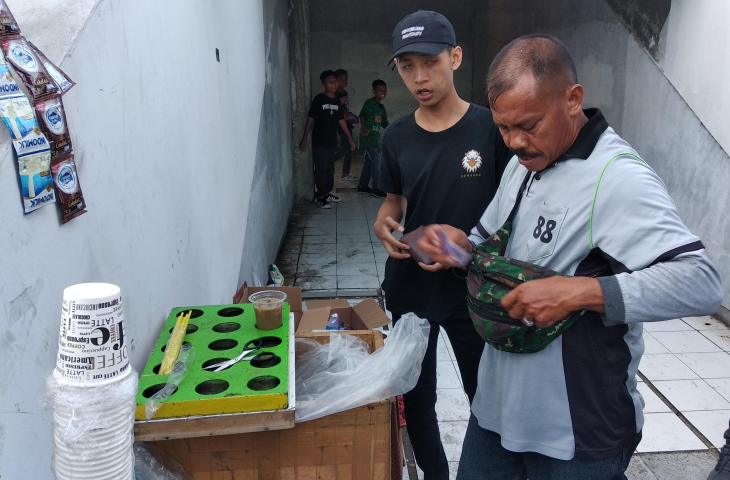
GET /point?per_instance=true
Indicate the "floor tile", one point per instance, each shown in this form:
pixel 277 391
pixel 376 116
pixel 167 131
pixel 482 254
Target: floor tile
pixel 317 258
pixel 350 249
pixel 652 403
pixel 363 257
pixel 447 376
pixel 676 325
pixel 357 269
pixel 452 404
pixel 712 424
pixel 319 248
pixel 665 432
pixel 721 386
pixel 357 281
pixel 316 283
pixel 320 222
pixel 352 238
pixel 691 395
pixel 665 366
pixel 304 270
pixel 319 239
pixel 452 437
pixel 685 342
pixel 721 338
pixel 445 338
pixel 318 231
pixel 707 365
pixel 704 323
pixel 442 352
pixel 453 469
pixel 652 345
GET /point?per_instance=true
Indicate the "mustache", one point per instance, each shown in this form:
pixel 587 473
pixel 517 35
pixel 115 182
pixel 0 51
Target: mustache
pixel 525 155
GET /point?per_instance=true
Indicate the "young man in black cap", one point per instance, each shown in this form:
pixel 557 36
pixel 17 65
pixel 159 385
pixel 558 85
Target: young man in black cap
pixel 326 116
pixel 441 162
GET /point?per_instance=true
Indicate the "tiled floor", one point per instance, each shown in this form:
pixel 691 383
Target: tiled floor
pixel 334 252
pixel 686 363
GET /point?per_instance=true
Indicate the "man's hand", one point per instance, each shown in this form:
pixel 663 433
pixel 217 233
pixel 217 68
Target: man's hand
pixel 353 147
pixel 434 267
pixel 384 229
pixel 303 144
pixel 550 300
pixel 431 245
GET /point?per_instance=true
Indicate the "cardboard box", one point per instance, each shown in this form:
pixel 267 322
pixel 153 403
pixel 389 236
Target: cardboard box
pixel 366 315
pixel 358 444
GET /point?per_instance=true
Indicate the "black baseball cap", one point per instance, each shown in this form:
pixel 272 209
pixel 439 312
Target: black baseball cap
pixel 424 32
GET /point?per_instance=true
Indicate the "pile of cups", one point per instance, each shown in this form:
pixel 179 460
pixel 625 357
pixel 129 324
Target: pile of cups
pixel 92 390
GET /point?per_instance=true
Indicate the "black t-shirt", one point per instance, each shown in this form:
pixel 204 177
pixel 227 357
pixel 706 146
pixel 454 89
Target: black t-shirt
pixel 447 177
pixel 326 113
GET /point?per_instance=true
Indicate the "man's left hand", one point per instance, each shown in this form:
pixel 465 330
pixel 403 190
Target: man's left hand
pixel 549 300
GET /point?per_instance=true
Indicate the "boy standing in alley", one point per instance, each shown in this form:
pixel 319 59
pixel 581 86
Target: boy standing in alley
pixel 441 161
pixel 324 120
pixel 373 120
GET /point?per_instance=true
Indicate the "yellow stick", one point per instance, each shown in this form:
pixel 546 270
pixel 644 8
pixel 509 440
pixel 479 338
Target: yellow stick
pixel 175 343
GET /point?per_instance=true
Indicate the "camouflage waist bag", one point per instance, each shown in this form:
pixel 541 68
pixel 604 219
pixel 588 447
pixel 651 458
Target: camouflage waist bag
pixel 491 277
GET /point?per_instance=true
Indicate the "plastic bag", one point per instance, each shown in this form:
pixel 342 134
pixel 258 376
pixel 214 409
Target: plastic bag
pixel 150 464
pixel 342 375
pixel 81 412
pixel 184 360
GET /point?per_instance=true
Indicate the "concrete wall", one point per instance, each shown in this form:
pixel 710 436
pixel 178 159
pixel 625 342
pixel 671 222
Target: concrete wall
pixel 356 36
pixel 168 142
pixel 669 117
pixel 272 192
pixel 694 53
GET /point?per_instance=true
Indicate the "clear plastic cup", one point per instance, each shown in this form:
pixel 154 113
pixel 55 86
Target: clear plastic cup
pixel 267 306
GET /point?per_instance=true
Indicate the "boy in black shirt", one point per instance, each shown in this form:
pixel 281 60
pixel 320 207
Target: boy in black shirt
pixel 441 162
pixel 326 116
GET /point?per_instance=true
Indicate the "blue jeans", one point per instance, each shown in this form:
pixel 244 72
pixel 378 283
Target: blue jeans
pixel 370 168
pixel 483 457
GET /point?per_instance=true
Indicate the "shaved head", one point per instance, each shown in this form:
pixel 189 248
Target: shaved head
pixel 542 56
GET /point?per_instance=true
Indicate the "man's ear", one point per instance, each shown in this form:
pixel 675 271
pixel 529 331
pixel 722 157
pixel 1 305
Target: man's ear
pixel 575 95
pixel 456 56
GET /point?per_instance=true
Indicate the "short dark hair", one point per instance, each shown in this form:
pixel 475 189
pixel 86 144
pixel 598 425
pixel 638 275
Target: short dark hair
pixel 340 72
pixel 327 73
pixel 377 83
pixel 543 55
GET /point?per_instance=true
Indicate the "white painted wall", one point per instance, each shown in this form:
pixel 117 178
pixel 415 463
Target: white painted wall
pixel 694 53
pixel 165 140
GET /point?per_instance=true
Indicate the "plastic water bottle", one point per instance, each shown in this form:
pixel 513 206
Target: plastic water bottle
pixel 334 322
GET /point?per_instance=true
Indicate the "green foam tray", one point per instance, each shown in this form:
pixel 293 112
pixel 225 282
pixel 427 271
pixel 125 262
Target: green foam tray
pixel 217 333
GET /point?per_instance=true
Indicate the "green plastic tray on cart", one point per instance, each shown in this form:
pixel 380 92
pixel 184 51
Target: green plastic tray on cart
pixel 217 333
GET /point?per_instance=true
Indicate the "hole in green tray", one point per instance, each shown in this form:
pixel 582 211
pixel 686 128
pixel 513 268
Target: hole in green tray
pixel 213 361
pixel 192 328
pixel 230 312
pixel 223 344
pixel 185 346
pixel 156 369
pixel 194 312
pixel 211 387
pixel 268 342
pixel 266 382
pixel 150 391
pixel 265 360
pixel 226 327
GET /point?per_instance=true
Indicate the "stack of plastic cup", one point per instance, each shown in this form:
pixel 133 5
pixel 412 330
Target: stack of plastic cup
pixel 93 387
